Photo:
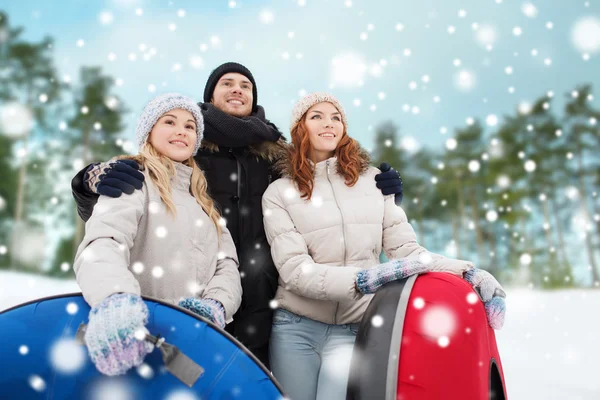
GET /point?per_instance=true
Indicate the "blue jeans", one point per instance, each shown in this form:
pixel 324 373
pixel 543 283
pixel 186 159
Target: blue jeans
pixel 311 359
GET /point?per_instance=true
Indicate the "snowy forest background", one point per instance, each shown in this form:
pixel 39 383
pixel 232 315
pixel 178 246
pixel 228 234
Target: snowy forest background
pixel 517 191
pixel 487 109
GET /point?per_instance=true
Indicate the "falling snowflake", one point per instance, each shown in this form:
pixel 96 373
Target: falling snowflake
pixel 491 120
pixel 465 80
pixel 72 308
pixel 290 193
pixel 347 69
pixel 491 216
pixel 145 371
pixel 15 119
pixel 525 107
pixel 337 366
pixel 106 18
pixel 419 303
pixel 138 267
pixel 158 272
pixel 161 232
pixel 111 388
pixel 410 144
pixel 67 356
pixel 472 298
pixel 585 34
pixel 474 166
pixel 266 17
pixel 377 321
pixel 451 144
pixel 486 35
pixel 529 165
pixel 443 341
pixel 572 193
pixel 529 10
pixel 438 321
pixel 525 259
pixel 37 383
pixel 503 181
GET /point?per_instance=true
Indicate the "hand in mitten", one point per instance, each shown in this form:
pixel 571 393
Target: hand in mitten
pixel 115 333
pixel 491 293
pixel 210 309
pixel 389 182
pixel 371 279
pixel 113 178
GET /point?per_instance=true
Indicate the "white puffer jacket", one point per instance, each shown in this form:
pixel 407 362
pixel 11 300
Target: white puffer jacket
pixel 319 245
pixel 133 245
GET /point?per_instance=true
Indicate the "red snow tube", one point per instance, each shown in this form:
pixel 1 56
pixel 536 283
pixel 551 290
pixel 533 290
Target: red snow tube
pixel 426 338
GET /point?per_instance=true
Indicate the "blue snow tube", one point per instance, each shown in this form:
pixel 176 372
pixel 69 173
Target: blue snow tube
pixel 41 360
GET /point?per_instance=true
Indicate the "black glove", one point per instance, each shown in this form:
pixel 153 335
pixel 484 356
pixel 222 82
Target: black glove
pixel 114 177
pixel 390 182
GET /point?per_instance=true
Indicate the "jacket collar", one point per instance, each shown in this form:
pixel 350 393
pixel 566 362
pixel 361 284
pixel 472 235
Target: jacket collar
pixel 321 167
pixel 182 177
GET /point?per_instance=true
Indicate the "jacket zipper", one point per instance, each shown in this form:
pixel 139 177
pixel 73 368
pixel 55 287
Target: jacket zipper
pixel 343 236
pixel 239 193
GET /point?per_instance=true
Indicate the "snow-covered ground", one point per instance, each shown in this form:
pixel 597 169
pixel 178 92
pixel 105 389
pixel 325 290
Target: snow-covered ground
pixel 550 344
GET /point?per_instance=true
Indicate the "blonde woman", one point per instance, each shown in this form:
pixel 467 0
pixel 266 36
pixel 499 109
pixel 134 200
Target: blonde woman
pixel 165 241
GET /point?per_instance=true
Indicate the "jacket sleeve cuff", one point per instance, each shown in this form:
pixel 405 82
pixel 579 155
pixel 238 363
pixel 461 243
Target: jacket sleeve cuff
pixel 226 302
pixel 451 265
pixel 341 283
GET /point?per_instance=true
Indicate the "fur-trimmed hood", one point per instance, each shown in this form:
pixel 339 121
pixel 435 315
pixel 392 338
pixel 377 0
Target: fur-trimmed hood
pixel 267 150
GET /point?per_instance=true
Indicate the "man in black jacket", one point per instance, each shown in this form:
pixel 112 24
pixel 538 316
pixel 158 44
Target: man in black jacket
pixel 237 155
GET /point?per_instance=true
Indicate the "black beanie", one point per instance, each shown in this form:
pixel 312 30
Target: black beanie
pixel 224 69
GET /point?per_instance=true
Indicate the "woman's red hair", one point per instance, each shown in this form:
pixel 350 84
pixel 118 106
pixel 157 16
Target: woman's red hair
pixel 347 153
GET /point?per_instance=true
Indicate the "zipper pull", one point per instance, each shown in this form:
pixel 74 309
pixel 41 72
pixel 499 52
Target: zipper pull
pixel 327 164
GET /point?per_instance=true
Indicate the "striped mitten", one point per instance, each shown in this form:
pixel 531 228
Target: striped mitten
pixel 370 280
pixel 115 333
pixel 492 294
pixel 210 309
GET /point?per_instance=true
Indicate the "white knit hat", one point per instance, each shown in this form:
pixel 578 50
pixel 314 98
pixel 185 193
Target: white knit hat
pixel 158 106
pixel 310 100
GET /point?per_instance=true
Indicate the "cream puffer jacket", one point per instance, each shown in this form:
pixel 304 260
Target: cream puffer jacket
pixel 133 245
pixel 319 245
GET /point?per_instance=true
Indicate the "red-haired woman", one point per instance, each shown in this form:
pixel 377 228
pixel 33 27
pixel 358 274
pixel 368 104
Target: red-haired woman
pixel 327 223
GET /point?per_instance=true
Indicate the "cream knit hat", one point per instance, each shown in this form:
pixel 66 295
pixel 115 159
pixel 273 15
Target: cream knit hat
pixel 158 106
pixel 310 100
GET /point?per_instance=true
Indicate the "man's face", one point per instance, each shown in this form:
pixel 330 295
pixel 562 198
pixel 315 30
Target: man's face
pixel 233 95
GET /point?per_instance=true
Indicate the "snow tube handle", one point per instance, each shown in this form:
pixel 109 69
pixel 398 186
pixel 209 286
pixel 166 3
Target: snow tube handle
pixel 176 362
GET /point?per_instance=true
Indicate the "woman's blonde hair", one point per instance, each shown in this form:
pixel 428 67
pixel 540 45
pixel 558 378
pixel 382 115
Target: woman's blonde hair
pixel 161 168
